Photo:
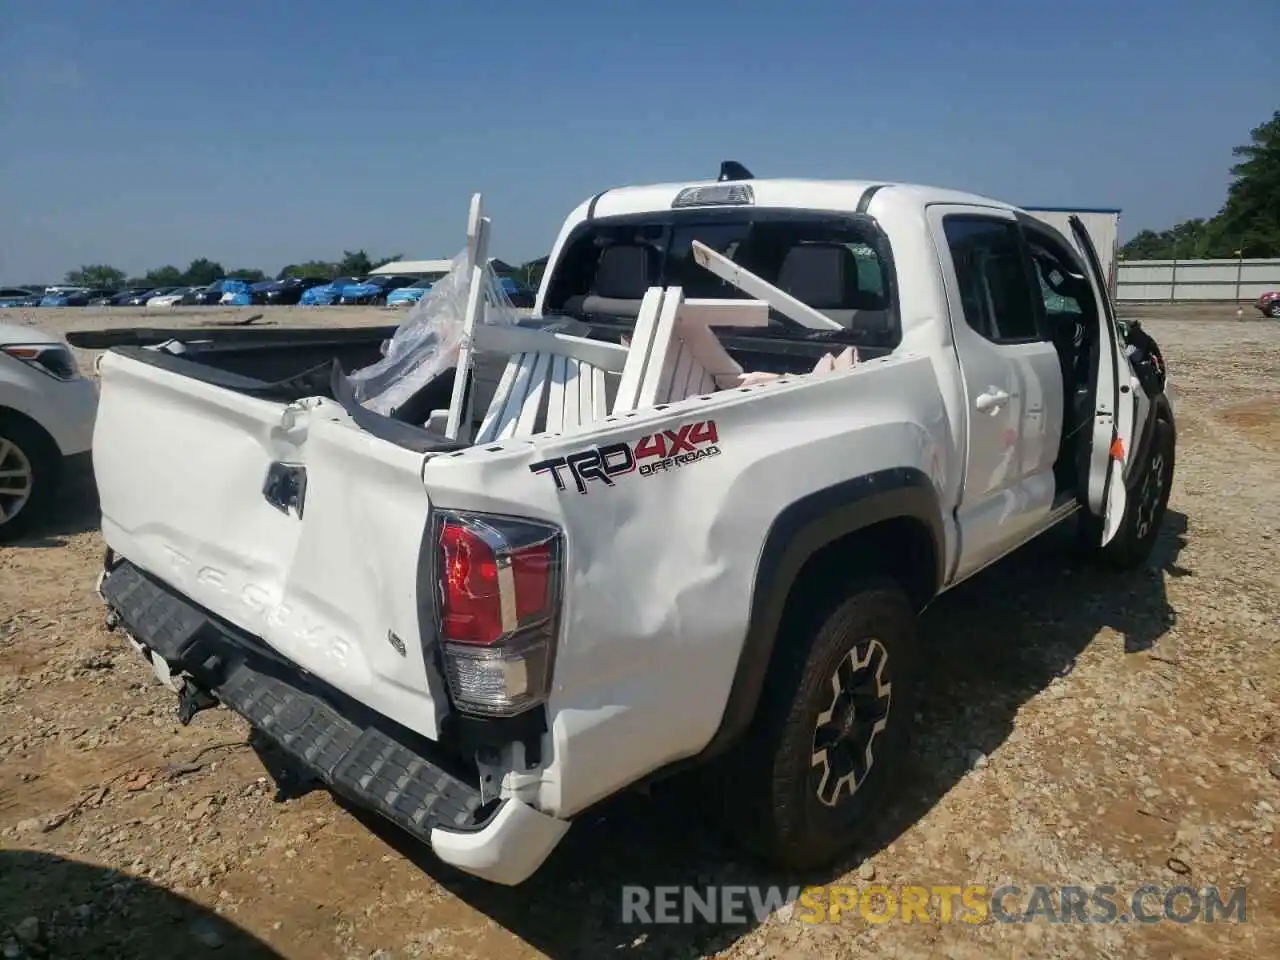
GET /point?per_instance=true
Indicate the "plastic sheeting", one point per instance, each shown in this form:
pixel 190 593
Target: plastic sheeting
pixel 426 344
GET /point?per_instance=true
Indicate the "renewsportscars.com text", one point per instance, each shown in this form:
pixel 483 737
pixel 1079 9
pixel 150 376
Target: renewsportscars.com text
pixel 939 903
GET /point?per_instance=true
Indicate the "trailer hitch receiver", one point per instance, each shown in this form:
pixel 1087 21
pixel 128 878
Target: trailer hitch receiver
pixel 191 700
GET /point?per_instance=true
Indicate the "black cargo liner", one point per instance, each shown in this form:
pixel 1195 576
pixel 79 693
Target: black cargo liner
pixel 357 753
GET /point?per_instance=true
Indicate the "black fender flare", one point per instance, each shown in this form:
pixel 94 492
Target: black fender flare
pixel 1161 409
pixel 796 534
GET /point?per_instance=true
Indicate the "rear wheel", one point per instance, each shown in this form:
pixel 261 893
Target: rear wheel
pixel 1273 309
pixel 28 475
pixel 832 730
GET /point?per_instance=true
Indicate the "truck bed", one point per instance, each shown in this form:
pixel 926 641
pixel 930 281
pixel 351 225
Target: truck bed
pixel 313 363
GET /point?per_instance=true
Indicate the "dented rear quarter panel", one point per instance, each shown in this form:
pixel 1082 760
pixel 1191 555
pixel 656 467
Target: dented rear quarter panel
pixel 660 570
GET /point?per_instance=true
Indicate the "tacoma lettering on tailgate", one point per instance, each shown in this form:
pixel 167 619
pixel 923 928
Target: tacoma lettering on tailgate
pixel 652 454
pixel 303 632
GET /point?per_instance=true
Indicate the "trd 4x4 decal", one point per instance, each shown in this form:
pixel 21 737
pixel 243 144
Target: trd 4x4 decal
pixel 652 453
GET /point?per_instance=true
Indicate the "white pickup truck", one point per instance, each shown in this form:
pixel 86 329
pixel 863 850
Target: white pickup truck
pixel 752 429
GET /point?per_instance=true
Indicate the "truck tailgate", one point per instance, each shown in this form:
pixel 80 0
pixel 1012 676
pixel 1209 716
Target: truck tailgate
pixel 182 466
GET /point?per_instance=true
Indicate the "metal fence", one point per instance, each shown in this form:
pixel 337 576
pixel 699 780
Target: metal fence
pixel 1174 281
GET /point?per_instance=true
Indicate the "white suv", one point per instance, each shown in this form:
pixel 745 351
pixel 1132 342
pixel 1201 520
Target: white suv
pixel 47 412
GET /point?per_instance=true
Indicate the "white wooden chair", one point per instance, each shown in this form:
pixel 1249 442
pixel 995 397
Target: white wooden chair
pixel 554 382
pixel 562 377
pixel 478 260
pixel 673 354
pixel 746 281
pixel 680 355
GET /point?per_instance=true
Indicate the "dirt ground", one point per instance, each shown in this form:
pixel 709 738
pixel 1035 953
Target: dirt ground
pixel 1077 728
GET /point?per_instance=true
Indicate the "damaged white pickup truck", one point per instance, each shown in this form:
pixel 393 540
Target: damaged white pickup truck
pixel 688 516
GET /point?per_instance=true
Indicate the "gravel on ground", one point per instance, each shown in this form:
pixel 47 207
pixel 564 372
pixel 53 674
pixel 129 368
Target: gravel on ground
pixel 1077 728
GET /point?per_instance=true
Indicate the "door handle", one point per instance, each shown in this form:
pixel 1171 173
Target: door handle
pixel 992 400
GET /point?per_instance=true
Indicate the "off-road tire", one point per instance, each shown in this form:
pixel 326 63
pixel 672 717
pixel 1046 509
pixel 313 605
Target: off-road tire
pixel 37 450
pixel 773 807
pixel 1147 503
pixel 1273 309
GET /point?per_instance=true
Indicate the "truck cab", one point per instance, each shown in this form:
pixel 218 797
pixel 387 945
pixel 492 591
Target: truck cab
pixel 1008 307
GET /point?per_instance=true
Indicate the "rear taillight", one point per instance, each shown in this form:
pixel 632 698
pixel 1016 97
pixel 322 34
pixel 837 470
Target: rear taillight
pixel 498 601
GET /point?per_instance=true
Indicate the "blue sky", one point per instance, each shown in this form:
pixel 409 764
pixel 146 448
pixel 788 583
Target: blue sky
pixel 257 133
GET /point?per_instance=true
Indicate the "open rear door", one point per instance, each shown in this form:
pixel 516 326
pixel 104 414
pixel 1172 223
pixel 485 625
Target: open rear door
pixel 1110 444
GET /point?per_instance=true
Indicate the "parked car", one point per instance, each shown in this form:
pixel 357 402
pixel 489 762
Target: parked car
pixel 46 423
pixel 1269 304
pixel 141 299
pixel 373 289
pixel 75 298
pixel 170 299
pixel 258 292
pixel 124 298
pixel 410 294
pixel 284 292
pixel 510 627
pixel 98 296
pixel 200 296
pixel 207 295
pixel 18 297
pixel 327 294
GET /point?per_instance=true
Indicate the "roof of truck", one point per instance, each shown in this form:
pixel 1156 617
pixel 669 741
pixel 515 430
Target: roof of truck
pixel 817 194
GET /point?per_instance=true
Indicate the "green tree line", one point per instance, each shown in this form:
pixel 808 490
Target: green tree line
pixel 201 272
pixel 1248 225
